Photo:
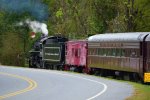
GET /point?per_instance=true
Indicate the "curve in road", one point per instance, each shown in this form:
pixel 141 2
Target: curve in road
pixel 100 83
pixel 32 85
pixel 59 85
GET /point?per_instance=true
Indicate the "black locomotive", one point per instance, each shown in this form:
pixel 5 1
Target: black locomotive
pixel 48 52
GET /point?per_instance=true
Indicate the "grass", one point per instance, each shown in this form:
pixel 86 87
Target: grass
pixel 142 92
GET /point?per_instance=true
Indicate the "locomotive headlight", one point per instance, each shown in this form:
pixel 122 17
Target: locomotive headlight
pixel 32 34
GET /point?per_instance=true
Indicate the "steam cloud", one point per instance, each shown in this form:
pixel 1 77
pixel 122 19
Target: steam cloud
pixel 35 26
pixel 34 7
pixel 38 27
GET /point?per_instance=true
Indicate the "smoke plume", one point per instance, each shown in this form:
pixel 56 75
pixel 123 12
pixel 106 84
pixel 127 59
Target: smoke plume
pixel 34 7
pixel 35 26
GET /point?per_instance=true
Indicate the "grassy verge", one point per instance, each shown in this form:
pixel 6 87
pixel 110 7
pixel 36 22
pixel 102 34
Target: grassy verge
pixel 142 92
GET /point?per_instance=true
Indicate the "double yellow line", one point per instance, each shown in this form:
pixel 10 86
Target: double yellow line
pixel 32 85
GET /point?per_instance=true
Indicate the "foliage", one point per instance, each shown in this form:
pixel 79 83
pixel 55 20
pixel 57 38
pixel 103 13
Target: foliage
pixel 104 13
pixel 12 39
pixel 76 19
pixel 143 18
pixel 11 53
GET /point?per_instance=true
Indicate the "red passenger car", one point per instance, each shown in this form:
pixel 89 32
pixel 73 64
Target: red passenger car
pixel 76 55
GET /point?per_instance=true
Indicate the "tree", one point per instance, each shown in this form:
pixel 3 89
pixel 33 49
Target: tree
pixel 105 11
pixel 142 20
pixel 12 39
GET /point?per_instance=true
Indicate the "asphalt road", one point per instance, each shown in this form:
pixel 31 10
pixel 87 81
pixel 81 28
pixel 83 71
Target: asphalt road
pixel 38 84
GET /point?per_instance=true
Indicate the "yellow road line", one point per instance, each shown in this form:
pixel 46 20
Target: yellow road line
pixel 32 85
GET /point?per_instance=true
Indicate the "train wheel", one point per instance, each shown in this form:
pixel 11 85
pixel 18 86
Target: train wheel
pixel 103 73
pixel 97 73
pixel 85 70
pixel 61 67
pixel 131 78
pixel 75 69
pixel 80 69
pixel 122 75
pixel 119 75
pixel 58 67
pixel 38 65
pixel 136 77
pixel 43 65
pixel 91 71
pixel 66 67
pixel 55 67
pixel 51 67
pixel 30 66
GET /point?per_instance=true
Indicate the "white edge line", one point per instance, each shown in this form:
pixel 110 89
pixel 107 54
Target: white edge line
pixel 95 96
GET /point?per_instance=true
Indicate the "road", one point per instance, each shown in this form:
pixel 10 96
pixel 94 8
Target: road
pixel 39 84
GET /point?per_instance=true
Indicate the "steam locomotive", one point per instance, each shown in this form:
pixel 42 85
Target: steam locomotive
pixel 119 54
pixel 48 52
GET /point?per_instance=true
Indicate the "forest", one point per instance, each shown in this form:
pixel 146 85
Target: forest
pixel 75 19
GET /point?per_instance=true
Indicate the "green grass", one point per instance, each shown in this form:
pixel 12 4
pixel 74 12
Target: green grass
pixel 142 92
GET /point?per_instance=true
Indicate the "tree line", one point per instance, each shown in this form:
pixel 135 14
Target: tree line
pixel 75 19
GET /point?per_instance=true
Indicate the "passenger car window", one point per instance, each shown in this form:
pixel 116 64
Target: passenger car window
pixel 113 52
pixel 118 52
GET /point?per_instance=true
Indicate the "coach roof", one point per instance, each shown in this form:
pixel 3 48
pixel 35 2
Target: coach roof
pixel 119 37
